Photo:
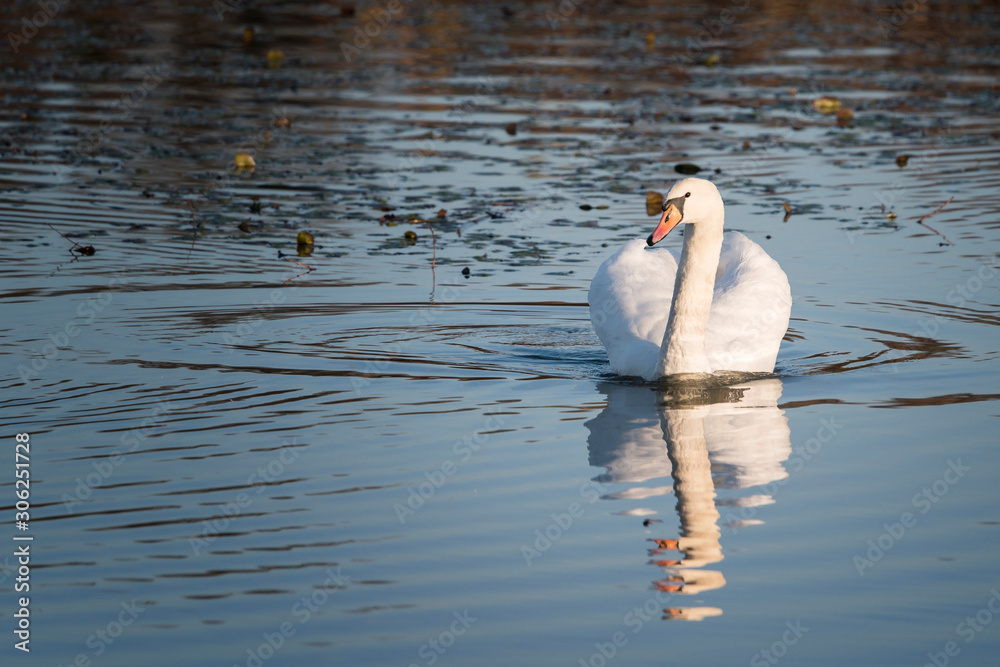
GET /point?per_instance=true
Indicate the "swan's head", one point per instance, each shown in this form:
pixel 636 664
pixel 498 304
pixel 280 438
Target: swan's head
pixel 691 201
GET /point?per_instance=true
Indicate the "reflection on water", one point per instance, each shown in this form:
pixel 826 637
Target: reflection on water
pixel 704 437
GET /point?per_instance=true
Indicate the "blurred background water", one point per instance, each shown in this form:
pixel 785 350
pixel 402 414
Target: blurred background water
pixel 403 444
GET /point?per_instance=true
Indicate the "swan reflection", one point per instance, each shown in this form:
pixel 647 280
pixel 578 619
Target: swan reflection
pixel 706 438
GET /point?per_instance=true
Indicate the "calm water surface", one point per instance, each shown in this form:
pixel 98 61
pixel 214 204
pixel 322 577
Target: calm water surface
pixel 371 455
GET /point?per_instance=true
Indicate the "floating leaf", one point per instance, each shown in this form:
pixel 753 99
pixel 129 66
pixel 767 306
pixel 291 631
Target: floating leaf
pixel 788 211
pixel 890 215
pixel 275 57
pixel 244 161
pixel 712 59
pixel 654 200
pixel 650 40
pixel 304 238
pixel 687 168
pixel 511 129
pixel 410 237
pixel 283 122
pixel 255 206
pixel 245 226
pixel 442 213
pixel 826 104
pixel 248 35
pixel 845 117
pixel 901 160
pixel 585 207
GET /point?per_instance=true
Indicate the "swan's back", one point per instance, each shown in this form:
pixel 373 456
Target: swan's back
pixel 630 299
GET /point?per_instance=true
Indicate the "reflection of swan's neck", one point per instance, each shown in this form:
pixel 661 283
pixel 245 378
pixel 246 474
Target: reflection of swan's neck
pixel 683 347
pixel 693 486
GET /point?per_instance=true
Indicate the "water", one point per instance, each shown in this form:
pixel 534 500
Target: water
pixel 373 457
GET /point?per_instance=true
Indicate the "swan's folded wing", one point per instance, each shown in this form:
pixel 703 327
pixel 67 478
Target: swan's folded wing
pixel 629 305
pixel 750 308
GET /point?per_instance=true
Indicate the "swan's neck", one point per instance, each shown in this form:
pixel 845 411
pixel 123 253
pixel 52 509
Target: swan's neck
pixel 683 347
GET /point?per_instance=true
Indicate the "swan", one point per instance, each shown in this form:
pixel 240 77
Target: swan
pixel 723 305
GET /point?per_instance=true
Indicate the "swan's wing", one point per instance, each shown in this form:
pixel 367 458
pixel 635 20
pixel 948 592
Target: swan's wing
pixel 629 305
pixel 750 308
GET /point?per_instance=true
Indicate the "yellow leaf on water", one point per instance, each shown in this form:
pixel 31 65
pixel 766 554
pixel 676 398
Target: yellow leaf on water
pixel 654 200
pixel 826 104
pixel 274 58
pixel 244 161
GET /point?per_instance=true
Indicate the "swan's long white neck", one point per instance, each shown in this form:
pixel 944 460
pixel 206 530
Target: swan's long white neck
pixel 683 347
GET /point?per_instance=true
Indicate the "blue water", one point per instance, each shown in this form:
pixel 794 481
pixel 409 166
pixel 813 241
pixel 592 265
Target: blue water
pixel 372 457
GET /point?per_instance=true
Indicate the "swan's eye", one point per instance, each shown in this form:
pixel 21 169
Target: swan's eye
pixel 687 194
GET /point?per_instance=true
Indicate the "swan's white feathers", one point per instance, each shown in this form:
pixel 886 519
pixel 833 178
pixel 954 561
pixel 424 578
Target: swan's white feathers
pixel 630 298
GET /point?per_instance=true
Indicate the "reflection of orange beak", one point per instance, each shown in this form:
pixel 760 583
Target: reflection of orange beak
pixel 671 216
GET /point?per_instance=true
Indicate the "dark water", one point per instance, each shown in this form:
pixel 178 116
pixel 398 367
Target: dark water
pixel 371 457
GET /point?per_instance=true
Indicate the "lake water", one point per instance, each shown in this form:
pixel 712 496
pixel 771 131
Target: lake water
pixel 403 444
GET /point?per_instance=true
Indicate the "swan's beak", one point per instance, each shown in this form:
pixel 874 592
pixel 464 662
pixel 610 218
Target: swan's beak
pixel 671 216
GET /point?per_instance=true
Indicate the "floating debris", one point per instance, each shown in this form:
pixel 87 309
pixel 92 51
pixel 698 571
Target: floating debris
pixel 87 250
pixel 442 213
pixel 902 160
pixel 255 206
pixel 687 168
pixel 826 104
pixel 788 211
pixel 245 226
pixel 283 122
pixel 586 207
pixel 244 162
pixel 466 272
pixel 712 59
pixel 654 201
pixel 248 35
pixel 511 129
pixel 410 237
pixel 275 57
pixel 304 244
pixel 845 117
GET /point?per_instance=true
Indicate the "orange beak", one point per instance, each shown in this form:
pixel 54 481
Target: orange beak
pixel 671 216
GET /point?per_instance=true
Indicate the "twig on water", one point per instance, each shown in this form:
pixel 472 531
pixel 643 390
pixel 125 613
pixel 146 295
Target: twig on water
pixel 434 256
pixel 194 233
pixel 308 268
pixel 82 249
pixel 921 221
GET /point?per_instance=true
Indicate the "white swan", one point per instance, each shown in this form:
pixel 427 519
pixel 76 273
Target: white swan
pixel 723 307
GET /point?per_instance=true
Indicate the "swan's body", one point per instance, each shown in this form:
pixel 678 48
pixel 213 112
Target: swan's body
pixel 722 305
